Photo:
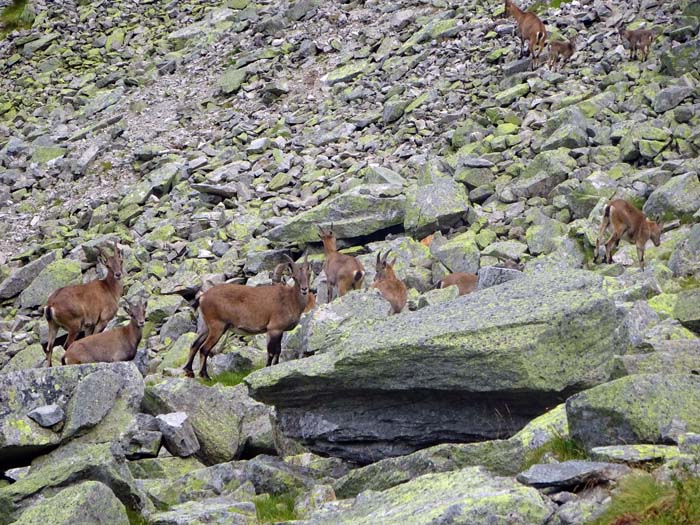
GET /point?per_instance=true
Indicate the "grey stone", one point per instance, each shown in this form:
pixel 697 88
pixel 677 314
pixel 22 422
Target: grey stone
pixel 20 278
pixel 493 276
pixel 48 415
pixel 670 97
pixel 382 368
pixel 571 474
pixel 179 436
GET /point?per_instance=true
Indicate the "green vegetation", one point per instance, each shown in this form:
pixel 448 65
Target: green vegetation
pixel 135 517
pixel 561 447
pixel 15 16
pixel 642 500
pixel 232 378
pixel 270 509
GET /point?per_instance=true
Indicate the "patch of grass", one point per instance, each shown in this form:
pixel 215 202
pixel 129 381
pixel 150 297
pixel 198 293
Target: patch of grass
pixel 561 447
pixel 135 517
pixel 642 500
pixel 270 509
pixel 228 378
pixel 14 16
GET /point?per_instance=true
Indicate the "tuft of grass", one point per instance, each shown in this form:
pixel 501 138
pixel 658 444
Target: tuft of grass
pixel 642 500
pixel 14 17
pixel 270 509
pixel 228 378
pixel 561 447
pixel 135 517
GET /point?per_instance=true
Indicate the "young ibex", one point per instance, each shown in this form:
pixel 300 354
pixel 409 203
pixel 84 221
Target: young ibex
pixel 465 282
pixel 639 40
pixel 531 29
pixel 627 223
pixel 343 272
pixel 118 344
pixel 85 307
pixel 385 280
pixel 561 50
pixel 273 308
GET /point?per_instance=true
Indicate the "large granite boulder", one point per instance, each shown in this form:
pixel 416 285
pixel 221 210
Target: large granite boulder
pixel 634 409
pixel 454 368
pixel 471 495
pixel 90 502
pixel 361 211
pixel 98 401
pixel 213 412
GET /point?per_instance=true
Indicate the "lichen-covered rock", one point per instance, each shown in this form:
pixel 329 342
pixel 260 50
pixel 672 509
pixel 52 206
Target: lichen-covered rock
pixel 211 511
pixel 685 258
pixel 163 468
pixel 178 434
pixel 634 454
pixel 22 277
pixel 546 170
pixel 634 409
pixel 73 463
pixel 87 503
pixel 99 401
pixel 502 457
pixel 687 309
pixel 361 211
pixel 212 411
pixel 679 198
pixel 458 254
pixel 434 206
pixel 55 275
pixel 512 341
pixel 470 495
pixel 681 59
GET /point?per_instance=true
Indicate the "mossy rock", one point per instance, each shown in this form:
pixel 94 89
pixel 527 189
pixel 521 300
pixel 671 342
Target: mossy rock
pixel 56 275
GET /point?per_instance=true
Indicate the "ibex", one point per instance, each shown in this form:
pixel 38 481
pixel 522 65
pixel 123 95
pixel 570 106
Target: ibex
pixel 639 40
pixel 277 275
pixel 273 308
pixel 561 50
pixel 343 272
pixel 531 29
pixel 465 282
pixel 385 280
pixel 85 307
pixel 627 223
pixel 118 344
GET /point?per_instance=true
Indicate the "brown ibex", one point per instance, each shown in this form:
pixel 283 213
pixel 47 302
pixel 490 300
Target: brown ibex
pixel 465 282
pixel 531 29
pixel 639 40
pixel 627 223
pixel 561 50
pixel 273 309
pixel 391 287
pixel 117 344
pixel 278 274
pixel 343 272
pixel 85 307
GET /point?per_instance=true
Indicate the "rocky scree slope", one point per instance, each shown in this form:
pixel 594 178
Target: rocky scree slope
pixel 209 138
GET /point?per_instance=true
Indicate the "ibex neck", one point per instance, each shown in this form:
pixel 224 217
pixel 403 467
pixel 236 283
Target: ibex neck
pixel 133 334
pixel 113 284
pixel 516 12
pixel 329 246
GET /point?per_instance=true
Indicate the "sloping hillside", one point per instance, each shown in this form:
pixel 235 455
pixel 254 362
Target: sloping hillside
pixel 210 139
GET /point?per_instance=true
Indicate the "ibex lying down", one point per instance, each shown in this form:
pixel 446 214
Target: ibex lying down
pixel 118 344
pixel 85 307
pixel 531 29
pixel 343 272
pixel 385 280
pixel 627 223
pixel 639 40
pixel 273 308
pixel 465 282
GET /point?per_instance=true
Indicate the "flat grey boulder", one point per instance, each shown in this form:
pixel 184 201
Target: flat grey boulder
pixel 21 277
pixel 88 502
pixel 361 211
pixel 98 402
pixel 571 474
pixel 634 409
pixel 517 348
pixel 470 495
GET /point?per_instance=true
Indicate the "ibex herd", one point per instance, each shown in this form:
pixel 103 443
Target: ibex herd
pixel 86 309
pixel 533 31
